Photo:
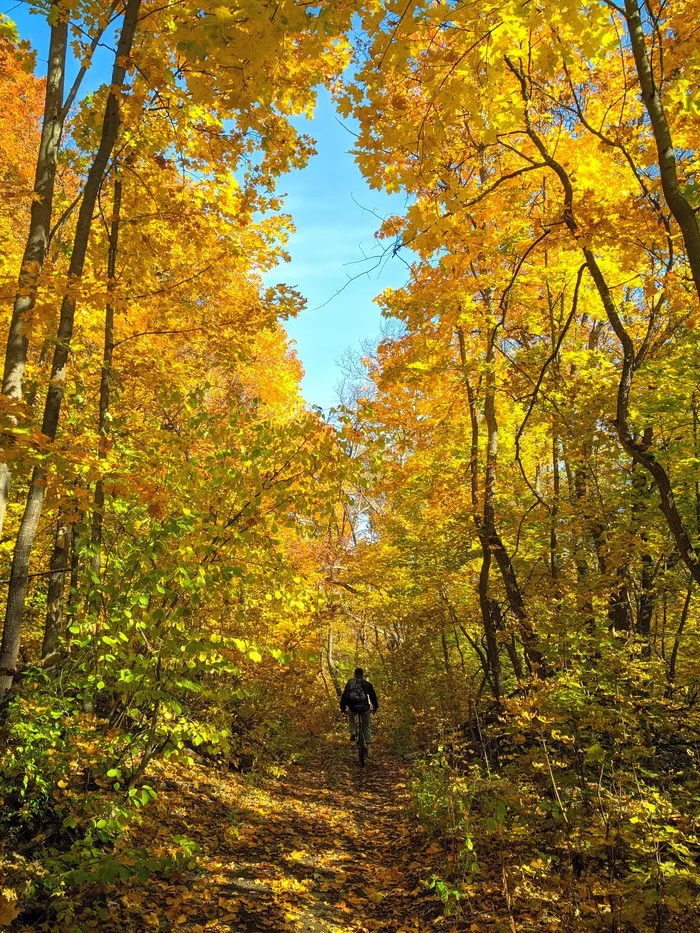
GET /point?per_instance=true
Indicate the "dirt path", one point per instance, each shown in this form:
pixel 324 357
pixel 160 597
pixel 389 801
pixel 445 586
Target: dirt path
pixel 326 848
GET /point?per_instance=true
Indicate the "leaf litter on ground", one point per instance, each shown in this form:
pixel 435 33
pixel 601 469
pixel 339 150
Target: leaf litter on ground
pixel 325 847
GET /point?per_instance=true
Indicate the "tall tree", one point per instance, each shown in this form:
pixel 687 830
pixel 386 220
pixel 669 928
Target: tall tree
pixel 17 587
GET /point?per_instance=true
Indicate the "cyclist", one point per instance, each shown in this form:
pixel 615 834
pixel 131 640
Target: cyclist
pixel 356 698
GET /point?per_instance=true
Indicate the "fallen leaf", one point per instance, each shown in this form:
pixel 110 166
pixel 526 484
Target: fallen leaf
pixel 8 907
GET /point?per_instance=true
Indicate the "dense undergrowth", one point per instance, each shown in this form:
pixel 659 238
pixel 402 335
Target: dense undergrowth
pixel 572 805
pixel 85 756
pixel 576 803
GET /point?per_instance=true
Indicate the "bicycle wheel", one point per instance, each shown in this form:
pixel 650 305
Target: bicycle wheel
pixel 361 742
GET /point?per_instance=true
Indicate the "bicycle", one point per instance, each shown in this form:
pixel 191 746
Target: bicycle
pixel 362 746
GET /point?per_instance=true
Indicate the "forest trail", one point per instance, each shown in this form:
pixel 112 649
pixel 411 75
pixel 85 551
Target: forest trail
pixel 325 848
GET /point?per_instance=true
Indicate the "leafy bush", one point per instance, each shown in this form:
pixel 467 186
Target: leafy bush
pixel 579 798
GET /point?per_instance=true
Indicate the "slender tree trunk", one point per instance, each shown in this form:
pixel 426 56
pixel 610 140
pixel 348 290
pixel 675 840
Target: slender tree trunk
pixel 445 652
pixel 74 571
pixel 56 110
pixel 473 472
pixel 58 566
pixel 528 636
pixel 106 382
pixel 493 670
pixel 696 454
pixel 493 667
pixel 478 651
pixel 678 203
pixel 458 646
pixel 584 598
pixel 510 644
pixel 630 360
pixel 555 339
pixel 9 649
pixel 491 544
pixel 578 486
pixel 19 579
pixel 332 670
pixel 647 594
pixel 488 521
pixel 553 533
pixel 37 243
pixel 511 647
pixel 489 529
pixel 679 632
pixel 647 597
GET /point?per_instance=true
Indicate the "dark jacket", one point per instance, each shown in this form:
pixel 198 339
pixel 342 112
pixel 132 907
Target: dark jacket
pixel 369 690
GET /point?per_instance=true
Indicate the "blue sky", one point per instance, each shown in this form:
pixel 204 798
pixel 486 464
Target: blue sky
pixel 336 215
pixel 336 261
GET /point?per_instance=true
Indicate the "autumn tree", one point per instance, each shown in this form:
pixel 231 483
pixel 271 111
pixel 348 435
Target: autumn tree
pixel 489 115
pixel 534 408
pixel 176 107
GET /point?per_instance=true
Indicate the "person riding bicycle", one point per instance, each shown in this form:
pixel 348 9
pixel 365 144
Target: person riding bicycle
pixel 356 698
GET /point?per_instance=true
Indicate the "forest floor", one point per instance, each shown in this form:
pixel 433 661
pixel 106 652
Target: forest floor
pixel 325 847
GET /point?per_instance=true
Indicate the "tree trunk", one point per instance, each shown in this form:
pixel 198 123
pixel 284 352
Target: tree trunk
pixel 492 669
pixel 696 455
pixel 74 571
pixel 56 110
pixel 489 530
pixel 679 205
pixel 491 544
pixel 330 659
pixel 106 382
pixel 488 522
pixel 19 579
pixel 478 651
pixel 474 421
pixel 647 594
pixel 630 361
pixel 553 533
pixel 58 566
pixel 32 513
pixel 679 632
pixel 37 243
pixel 510 644
pixel 584 600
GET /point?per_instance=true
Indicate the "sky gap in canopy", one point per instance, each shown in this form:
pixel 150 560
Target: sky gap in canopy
pixel 335 261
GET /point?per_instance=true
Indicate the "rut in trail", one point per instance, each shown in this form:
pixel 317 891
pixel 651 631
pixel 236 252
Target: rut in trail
pixel 326 848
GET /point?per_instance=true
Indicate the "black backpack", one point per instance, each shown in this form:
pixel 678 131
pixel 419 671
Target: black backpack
pixel 355 693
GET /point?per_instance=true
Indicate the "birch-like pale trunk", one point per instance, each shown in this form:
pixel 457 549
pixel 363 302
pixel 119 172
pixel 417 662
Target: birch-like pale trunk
pixel 37 243
pixel 56 110
pixel 19 575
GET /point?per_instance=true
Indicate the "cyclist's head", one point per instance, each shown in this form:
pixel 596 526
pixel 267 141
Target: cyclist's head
pixel 359 672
